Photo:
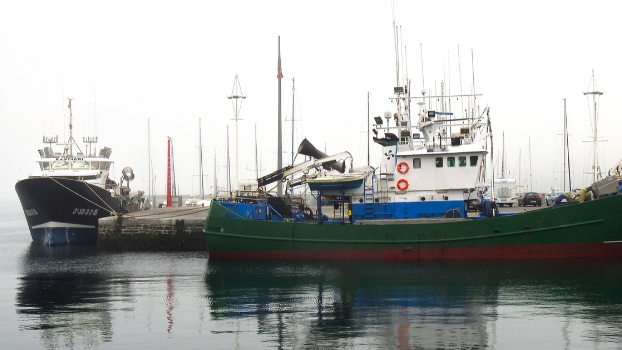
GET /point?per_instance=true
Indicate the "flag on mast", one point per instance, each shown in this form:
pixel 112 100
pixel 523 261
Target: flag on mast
pixel 280 73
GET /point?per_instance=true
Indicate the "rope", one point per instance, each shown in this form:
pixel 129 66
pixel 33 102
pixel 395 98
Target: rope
pixel 113 212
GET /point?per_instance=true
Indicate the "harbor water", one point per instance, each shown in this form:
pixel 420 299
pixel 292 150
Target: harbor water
pixel 80 298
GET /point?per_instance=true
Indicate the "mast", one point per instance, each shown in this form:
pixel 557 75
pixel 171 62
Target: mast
pixel 279 189
pixel 293 101
pixel 519 161
pixel 530 175
pixel 567 148
pixel 215 188
pixel 149 155
pixel 201 162
pixel 237 97
pixel 70 126
pixel 71 141
pixel 594 93
pixel 256 157
pixel 228 165
pixel 566 151
pixel 368 128
pixel 503 158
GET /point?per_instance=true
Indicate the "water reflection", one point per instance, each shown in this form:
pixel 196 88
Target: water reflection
pixel 442 305
pixel 76 297
pixel 62 295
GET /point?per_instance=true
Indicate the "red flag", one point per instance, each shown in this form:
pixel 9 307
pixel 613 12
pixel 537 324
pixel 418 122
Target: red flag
pixel 280 73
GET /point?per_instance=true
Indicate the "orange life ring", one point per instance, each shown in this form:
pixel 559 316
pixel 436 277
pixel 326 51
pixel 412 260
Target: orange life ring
pixel 399 187
pixel 399 168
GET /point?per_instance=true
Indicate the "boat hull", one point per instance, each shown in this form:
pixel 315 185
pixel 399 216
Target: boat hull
pixel 590 229
pixel 64 211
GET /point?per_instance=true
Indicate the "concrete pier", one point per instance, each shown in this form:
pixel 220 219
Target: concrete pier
pixel 160 229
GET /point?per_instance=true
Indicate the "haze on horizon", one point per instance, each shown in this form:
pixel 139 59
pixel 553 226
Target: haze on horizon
pixel 130 64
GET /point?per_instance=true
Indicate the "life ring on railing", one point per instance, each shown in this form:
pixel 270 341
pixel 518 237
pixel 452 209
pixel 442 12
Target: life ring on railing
pixel 399 185
pixel 402 170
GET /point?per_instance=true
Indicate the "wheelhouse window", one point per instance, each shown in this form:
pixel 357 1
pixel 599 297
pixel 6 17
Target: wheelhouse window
pixel 80 165
pixel 44 165
pixel 439 162
pixel 60 165
pixel 473 160
pixel 95 165
pixel 451 161
pixel 416 163
pixel 462 161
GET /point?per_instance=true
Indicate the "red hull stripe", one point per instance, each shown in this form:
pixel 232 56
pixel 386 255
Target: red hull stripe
pixel 575 250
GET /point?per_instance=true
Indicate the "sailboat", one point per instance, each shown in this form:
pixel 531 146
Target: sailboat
pixel 550 197
pixel 199 201
pixel 505 188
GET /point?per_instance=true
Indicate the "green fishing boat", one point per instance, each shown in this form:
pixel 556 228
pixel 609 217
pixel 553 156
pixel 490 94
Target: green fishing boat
pixel 589 229
pixel 412 205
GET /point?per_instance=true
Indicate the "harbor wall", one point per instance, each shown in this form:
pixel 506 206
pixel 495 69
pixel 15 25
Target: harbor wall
pixel 164 229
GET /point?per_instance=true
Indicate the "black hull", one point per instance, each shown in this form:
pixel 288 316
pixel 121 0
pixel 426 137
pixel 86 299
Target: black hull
pixel 64 211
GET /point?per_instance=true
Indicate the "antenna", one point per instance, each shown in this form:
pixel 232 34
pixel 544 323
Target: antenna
pixel 460 73
pixel 473 71
pixel 402 55
pixel 422 76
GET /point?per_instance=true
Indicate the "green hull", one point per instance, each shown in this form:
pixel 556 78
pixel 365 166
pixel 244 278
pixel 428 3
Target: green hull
pixel 590 229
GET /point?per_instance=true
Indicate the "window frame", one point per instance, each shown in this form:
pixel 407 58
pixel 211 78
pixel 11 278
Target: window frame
pixel 439 164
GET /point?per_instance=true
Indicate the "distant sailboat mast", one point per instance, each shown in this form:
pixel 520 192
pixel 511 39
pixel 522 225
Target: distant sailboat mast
pixel 256 156
pixel 215 188
pixel 530 175
pixel 503 158
pixel 201 162
pixel 566 151
pixel 151 184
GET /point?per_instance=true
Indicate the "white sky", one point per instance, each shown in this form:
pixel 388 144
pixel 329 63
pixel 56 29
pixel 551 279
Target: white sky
pixel 127 62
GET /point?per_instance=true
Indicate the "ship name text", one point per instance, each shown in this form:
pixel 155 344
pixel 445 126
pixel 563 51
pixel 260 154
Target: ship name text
pixel 80 211
pixel 30 212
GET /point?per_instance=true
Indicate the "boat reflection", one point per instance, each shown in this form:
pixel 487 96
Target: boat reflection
pixel 438 305
pixel 59 295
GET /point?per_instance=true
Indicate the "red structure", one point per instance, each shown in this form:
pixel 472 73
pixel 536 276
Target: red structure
pixel 169 199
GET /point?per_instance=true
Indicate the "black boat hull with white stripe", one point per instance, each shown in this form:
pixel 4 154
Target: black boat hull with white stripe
pixel 64 211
